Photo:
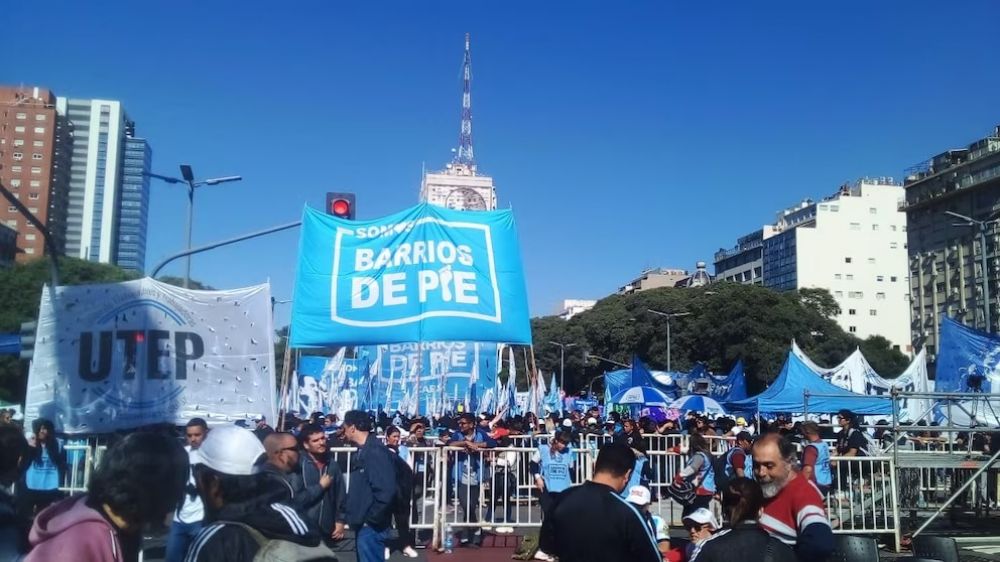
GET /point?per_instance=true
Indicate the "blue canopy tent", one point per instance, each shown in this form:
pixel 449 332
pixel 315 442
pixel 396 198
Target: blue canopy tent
pixel 787 394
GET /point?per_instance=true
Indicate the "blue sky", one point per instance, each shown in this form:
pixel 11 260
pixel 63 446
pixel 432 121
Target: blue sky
pixel 624 135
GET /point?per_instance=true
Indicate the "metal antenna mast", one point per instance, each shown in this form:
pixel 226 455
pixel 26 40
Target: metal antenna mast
pixel 465 155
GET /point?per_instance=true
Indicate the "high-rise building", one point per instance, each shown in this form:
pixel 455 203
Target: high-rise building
pixel 134 208
pixel 460 185
pixel 852 243
pixel 946 274
pixel 34 166
pixel 102 185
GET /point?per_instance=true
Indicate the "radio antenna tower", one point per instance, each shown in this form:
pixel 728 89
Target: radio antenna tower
pixel 465 155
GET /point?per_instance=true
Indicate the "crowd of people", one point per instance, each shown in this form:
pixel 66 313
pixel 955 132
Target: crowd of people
pixel 233 492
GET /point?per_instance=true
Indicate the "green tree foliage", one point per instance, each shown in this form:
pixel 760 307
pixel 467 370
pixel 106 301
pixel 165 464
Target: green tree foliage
pixel 20 294
pixel 725 322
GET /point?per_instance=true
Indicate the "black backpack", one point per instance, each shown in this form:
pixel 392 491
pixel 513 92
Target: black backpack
pixel 719 467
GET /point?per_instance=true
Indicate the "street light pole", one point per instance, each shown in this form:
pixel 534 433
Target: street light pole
pixel 191 183
pixel 562 369
pixel 982 226
pixel 669 316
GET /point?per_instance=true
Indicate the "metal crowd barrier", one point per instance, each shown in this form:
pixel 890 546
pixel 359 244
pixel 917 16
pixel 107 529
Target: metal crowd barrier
pixel 863 498
pixel 79 463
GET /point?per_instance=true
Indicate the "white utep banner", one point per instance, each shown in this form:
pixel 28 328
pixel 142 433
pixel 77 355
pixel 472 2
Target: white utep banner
pixel 121 355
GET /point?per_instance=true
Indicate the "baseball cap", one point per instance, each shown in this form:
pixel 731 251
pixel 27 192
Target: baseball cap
pixel 591 421
pixel 639 495
pixel 662 529
pixel 703 516
pixel 230 450
pixel 567 422
pixel 741 421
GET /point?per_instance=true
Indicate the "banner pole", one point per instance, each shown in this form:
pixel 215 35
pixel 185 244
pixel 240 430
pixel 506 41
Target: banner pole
pixel 286 362
pixel 533 369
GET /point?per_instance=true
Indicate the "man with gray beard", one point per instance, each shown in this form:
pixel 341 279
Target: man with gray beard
pixel 793 507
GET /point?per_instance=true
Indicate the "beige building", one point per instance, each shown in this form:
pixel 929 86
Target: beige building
pixel 654 279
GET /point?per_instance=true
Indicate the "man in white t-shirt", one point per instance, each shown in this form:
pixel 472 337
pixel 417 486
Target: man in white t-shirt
pixel 187 519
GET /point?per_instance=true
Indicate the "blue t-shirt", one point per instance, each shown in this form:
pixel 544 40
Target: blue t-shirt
pixel 468 468
pixel 555 469
pixel 43 474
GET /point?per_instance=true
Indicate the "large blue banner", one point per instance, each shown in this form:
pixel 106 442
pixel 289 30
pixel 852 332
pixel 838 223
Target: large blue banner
pixel 429 377
pixel 424 274
pixel 966 356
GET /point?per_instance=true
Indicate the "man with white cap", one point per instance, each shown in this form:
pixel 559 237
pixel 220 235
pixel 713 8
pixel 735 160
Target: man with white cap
pixel 641 497
pixel 241 519
pixel 700 524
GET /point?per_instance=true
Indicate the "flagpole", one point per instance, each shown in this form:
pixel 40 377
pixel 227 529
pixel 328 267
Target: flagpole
pixel 286 363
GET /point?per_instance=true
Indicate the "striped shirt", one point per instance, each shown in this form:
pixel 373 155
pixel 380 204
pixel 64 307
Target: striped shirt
pixel 798 505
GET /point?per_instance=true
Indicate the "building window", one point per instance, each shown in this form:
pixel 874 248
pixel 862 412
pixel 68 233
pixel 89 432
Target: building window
pixel 871 261
pixel 892 227
pixel 29 236
pixel 13 224
pixel 35 183
pixel 855 226
pixel 18 156
pixel 20 116
pixel 872 312
pixel 39 117
pixel 19 129
pixel 851 312
pixel 29 250
pixel 834 208
pixel 33 210
pixel 874 227
pixel 880 296
pixel 892 279
pixel 893 245
pixel 36 170
pixel 32 196
pixel 15 169
pixel 823 207
pixel 880 278
pixel 873 210
pixel 838 294
pixel 38 143
pixel 837 276
pixel 15 183
pixel 39 130
pixel 847 260
pixel 850 277
pixel 856 295
pixel 11 209
pixel 853 329
pixel 36 156
pixel 18 142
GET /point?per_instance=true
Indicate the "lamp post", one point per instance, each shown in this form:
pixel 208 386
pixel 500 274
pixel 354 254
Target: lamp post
pixel 982 226
pixel 669 316
pixel 562 368
pixel 188 176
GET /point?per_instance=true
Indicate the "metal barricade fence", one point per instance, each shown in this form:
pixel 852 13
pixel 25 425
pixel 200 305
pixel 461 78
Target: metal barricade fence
pixel 79 463
pixel 863 498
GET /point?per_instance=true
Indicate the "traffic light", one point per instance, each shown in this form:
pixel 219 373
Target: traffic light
pixel 340 205
pixel 28 330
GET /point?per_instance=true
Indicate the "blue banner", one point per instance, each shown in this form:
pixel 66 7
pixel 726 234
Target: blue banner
pixel 731 387
pixel 967 355
pixel 430 377
pixel 424 274
pixel 328 385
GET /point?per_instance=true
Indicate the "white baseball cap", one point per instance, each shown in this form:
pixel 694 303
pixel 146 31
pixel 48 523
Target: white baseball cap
pixel 662 529
pixel 639 495
pixel 591 421
pixel 230 450
pixel 567 423
pixel 703 516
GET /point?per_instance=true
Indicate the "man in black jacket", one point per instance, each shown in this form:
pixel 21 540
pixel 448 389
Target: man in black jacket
pixel 241 516
pixel 371 496
pixel 316 467
pixel 282 450
pixel 13 448
pixel 593 523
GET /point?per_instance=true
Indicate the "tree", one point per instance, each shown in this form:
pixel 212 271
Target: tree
pixel 20 293
pixel 179 282
pixel 725 322
pixel 880 354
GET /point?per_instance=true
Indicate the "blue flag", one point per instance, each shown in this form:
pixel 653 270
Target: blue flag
pixel 423 274
pixel 968 358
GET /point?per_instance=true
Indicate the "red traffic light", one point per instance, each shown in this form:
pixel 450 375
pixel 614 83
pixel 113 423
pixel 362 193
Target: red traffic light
pixel 340 205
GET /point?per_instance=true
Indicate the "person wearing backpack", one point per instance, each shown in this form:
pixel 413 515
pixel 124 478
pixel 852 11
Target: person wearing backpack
pixel 699 473
pixel 404 493
pixel 242 522
pixel 736 462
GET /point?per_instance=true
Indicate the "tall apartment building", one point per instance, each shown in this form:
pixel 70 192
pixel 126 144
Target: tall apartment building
pixel 34 166
pixel 106 184
pixel 946 277
pixel 853 244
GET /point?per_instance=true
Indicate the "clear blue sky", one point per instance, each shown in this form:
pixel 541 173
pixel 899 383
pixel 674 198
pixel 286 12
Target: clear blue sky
pixel 624 135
